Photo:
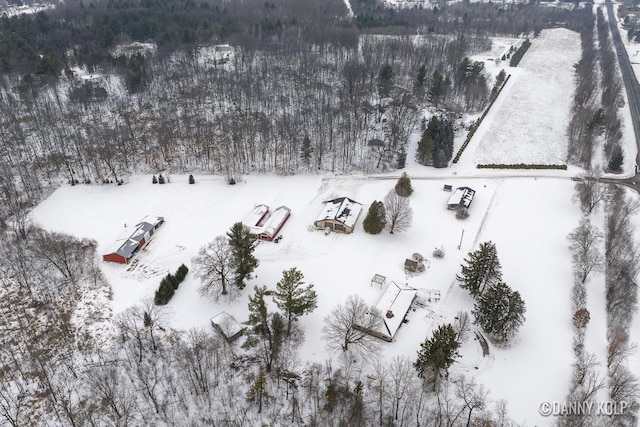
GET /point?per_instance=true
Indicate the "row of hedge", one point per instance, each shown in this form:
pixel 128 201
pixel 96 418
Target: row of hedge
pixel 476 125
pixel 520 166
pixel 169 284
pixel 516 57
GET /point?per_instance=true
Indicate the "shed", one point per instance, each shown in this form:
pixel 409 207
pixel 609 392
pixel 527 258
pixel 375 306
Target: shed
pixel 227 326
pixel 271 224
pixel 257 216
pixel 461 197
pixel 410 265
pixel 447 187
pixel 339 215
pixel 378 279
pixel 126 248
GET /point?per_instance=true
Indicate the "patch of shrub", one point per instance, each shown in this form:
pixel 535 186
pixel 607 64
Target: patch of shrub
pixel 169 284
pixel 520 166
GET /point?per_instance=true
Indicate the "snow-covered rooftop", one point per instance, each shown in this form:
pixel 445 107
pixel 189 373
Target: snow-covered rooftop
pixel 227 324
pixel 255 217
pixel 394 304
pixel 342 209
pixel 462 196
pixel 131 242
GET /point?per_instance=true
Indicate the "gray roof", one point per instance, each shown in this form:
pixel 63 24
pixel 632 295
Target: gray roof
pixel 131 243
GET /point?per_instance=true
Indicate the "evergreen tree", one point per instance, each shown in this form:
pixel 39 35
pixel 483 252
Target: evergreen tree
pixel 481 269
pixel 306 151
pixel 181 273
pixel 438 88
pixel 426 146
pixel 438 353
pixel 160 179
pixel 266 331
pixel 166 290
pixel 242 247
pixel 421 77
pixel 385 80
pixel 154 180
pixel 500 311
pixel 375 220
pixel 258 391
pixel 403 186
pixel 293 298
pixel 436 144
pixel 191 179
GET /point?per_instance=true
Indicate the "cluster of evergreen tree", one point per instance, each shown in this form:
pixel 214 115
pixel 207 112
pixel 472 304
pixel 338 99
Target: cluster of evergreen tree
pixel 169 284
pixel 516 57
pixel 435 147
pixel 497 309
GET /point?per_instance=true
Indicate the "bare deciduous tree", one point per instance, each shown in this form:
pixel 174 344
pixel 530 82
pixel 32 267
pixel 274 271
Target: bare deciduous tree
pixel 591 192
pixel 345 327
pixel 214 266
pixel 586 255
pixel 398 211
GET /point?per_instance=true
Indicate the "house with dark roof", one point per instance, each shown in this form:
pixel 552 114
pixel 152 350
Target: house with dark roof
pixel 339 215
pixel 125 249
pixel 461 198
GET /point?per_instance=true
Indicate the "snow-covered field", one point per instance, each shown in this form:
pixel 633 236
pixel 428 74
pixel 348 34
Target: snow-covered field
pixel 528 218
pixel 529 126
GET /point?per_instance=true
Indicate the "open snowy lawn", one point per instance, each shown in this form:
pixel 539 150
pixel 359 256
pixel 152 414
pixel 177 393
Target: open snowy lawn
pixel 536 110
pixel 527 218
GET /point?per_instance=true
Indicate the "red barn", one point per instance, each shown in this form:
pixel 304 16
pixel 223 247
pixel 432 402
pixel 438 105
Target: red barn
pixel 127 248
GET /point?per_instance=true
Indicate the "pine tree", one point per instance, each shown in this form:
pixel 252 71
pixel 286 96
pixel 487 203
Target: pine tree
pixel 154 180
pixel 375 220
pixel 421 77
pixel 293 298
pixel 258 391
pixel 403 186
pixel 191 179
pixel 306 150
pixel 166 290
pixel 266 331
pixel 500 311
pixel 438 353
pixel 181 273
pixel 160 179
pixel 426 146
pixel 242 247
pixel 482 269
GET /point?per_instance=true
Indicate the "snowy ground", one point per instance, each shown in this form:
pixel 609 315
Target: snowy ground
pixel 547 68
pixel 528 218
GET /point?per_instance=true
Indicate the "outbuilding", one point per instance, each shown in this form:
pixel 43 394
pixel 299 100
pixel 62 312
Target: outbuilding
pixel 227 326
pixel 125 249
pixel 264 224
pixel 339 215
pixel 461 198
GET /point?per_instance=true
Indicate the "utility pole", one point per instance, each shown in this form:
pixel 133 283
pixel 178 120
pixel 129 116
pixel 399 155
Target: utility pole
pixel 461 237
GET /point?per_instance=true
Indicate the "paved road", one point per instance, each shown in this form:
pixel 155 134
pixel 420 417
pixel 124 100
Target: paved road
pixel 628 76
pixel 631 85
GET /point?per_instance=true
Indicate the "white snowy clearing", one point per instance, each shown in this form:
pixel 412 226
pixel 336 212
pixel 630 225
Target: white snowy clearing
pixel 527 217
